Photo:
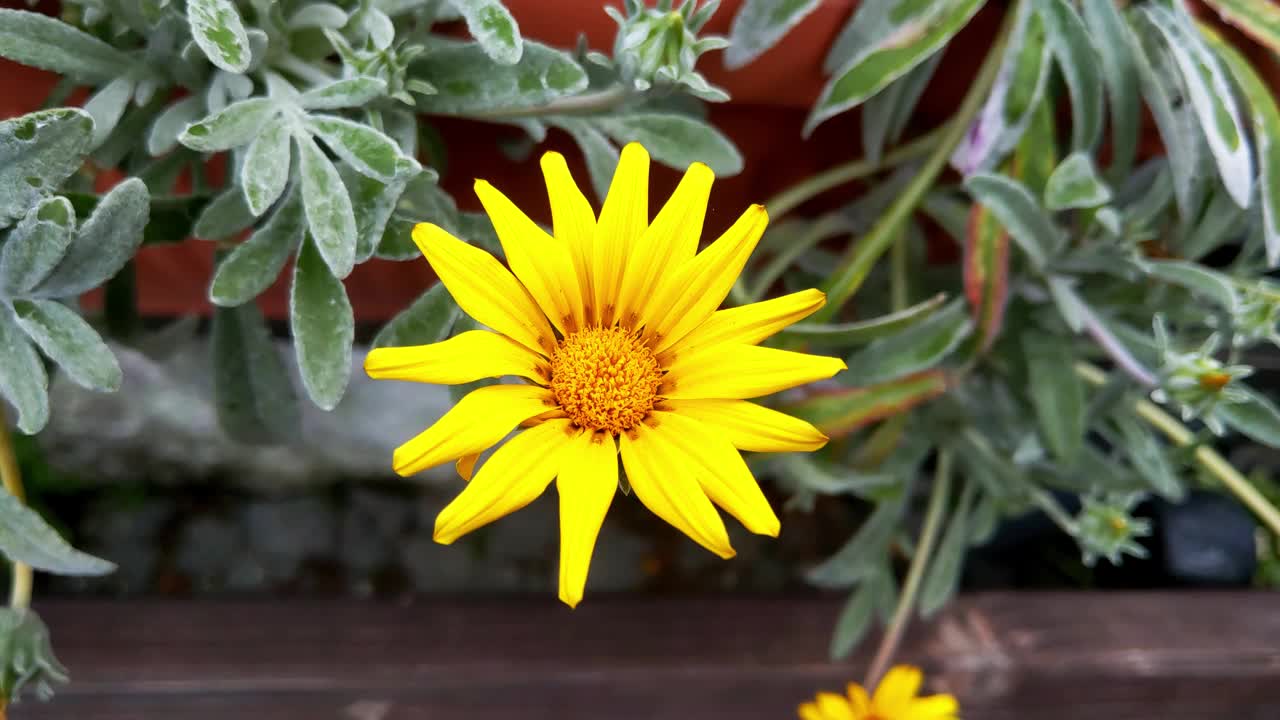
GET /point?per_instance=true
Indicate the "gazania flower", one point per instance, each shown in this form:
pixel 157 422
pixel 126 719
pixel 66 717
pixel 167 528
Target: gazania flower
pixel 612 325
pixel 894 699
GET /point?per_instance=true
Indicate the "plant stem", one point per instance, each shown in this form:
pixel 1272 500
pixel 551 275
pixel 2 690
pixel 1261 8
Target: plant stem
pixel 586 103
pixel 20 587
pixel 1207 457
pixel 787 200
pixel 822 228
pixel 849 276
pixel 898 281
pixel 915 574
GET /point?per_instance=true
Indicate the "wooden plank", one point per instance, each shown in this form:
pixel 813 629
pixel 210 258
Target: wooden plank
pixel 1049 656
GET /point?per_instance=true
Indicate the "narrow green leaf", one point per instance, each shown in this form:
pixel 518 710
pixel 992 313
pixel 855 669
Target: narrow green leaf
pixel 364 148
pixel 225 216
pixel 1017 209
pixel 886 114
pixel 36 245
pixel 106 106
pixel 1120 73
pixel 494 29
pixel 256 263
pixel 863 554
pixel 1078 60
pixel 1057 393
pixel 40 41
pixel 235 125
pixel 345 93
pixel 855 618
pixel 1256 418
pixel 601 154
pixel 217 29
pixel 986 273
pixel 428 320
pixel 266 166
pixel 70 342
pixel 422 201
pixel 1259 19
pixel 864 331
pixel 839 412
pixel 323 328
pixel 252 390
pixel 106 241
pixel 827 479
pixel 1209 284
pixel 943 576
pixel 37 152
pixel 1148 456
pixel 469 83
pixel 919 347
pixel 170 123
pixel 759 25
pixel 1075 184
pixel 328 208
pixel 26 538
pixel 676 141
pixel 23 381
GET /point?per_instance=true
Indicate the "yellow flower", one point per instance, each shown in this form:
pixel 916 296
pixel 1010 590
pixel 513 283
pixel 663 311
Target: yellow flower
pixel 894 699
pixel 612 324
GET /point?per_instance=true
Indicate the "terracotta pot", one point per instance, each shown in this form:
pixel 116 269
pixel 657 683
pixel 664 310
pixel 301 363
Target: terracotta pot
pixel 771 98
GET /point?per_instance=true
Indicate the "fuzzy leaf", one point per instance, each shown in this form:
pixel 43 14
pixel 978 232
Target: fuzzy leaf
pixel 323 328
pixel 317 15
pixel 1075 184
pixel 919 347
pixel 266 166
pixel 69 341
pixel 862 332
pixel 1017 209
pixel 1259 19
pixel 601 154
pixel 862 555
pixel 37 152
pixel 40 41
pixel 676 141
pixel 23 381
pixel 1120 73
pixel 855 618
pixel 373 201
pixel 106 106
pixel 943 576
pixel 1069 41
pixel 986 273
pixel 493 28
pixel 1256 418
pixel 328 208
pixel 170 123
pixel 428 320
pixel 106 241
pixel 759 25
pixel 839 412
pixel 468 82
pixel 225 216
pixel 886 114
pixel 235 125
pixel 36 245
pixel 256 263
pixel 26 538
pixel 252 390
pixel 364 148
pixel 1057 393
pixel 217 29
pixel 1209 284
pixel 349 92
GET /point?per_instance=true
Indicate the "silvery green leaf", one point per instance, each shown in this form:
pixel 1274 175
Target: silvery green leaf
pixel 280 89
pixel 859 558
pixel 759 25
pixel 37 152
pixel 855 618
pixel 323 328
pixel 265 171
pixel 23 381
pixel 28 656
pixel 26 538
pixel 1017 209
pixel 68 340
pixel 491 24
pixel 36 245
pixel 676 141
pixel 1075 184
pixel 379 27
pixel 830 479
pixel 106 106
pixel 943 576
pixel 350 92
pixel 600 154
pixel 328 208
pixel 373 201
pixel 1256 418
pixel 469 83
pixel 218 30
pixel 363 147
pixel 1057 393
pixel 920 346
pixel 105 242
pixel 885 114
pixel 1202 281
pixel 1220 222
pixel 170 123
pixel 1120 73
pixel 1069 39
pixel 40 41
pixel 428 320
pixel 422 201
pixel 235 125
pixel 246 271
pixel 1069 303
pixel 317 15
pixel 861 332
pixel 402 127
pixel 252 390
pixel 224 216
pixel 1148 456
pixel 1212 97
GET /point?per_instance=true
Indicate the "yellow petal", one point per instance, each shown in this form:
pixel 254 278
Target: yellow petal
pixel 749 324
pixel 858 700
pixel 587 483
pixel 464 358
pixel 485 289
pixel 480 419
pixel 573 222
pixel 934 707
pixel 809 711
pixel 685 298
pixel 752 427
pixel 623 218
pixel 670 493
pixel 539 261
pixel 669 242
pixel 514 477
pixel 700 451
pixel 834 707
pixel 744 371
pixel 896 691
pixel 466 465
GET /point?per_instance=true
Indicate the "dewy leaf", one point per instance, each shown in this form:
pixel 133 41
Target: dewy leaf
pixel 252 390
pixel 23 381
pixel 106 241
pixel 920 347
pixel 69 341
pixel 469 83
pixel 493 28
pixel 349 92
pixel 37 152
pixel 428 320
pixel 898 35
pixel 1256 418
pixel 1120 73
pixel 323 328
pixel 36 245
pixel 26 538
pixel 1259 19
pixel 986 273
pixel 1020 213
pixel 1211 96
pixel 1069 40
pixel 224 216
pixel 364 148
pixel 759 25
pixel 1075 184
pixel 251 268
pixel 1209 284
pixel 266 166
pixel 601 155
pixel 328 208
pixel 839 412
pixel 170 123
pixel 217 29
pixel 40 41
pixel 235 125
pixel 106 106
pixel 1057 393
pixel 676 141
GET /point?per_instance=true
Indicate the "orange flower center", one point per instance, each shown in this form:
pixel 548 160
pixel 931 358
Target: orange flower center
pixel 605 378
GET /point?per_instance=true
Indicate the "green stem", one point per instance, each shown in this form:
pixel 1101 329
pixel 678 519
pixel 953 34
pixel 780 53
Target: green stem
pixel 1208 458
pixel 796 195
pixel 821 229
pixel 20 589
pixel 915 574
pixel 586 103
pixel 898 281
pixel 849 276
